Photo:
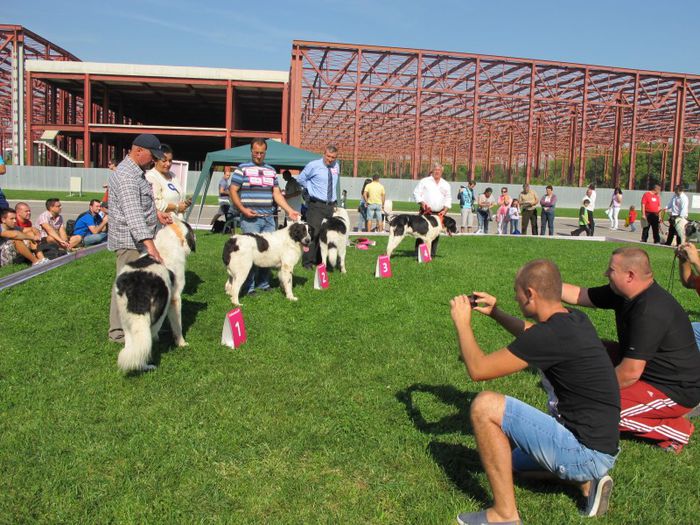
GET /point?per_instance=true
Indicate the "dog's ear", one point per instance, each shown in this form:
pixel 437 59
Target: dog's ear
pixel 190 237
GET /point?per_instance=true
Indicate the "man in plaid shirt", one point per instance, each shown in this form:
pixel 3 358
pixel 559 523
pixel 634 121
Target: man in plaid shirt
pixel 133 216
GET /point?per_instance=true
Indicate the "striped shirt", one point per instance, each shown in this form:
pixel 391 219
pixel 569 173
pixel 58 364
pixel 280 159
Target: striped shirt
pixel 132 209
pixel 255 186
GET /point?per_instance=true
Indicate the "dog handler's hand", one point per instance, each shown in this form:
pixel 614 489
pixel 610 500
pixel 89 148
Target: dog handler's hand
pixel 164 218
pixel 486 303
pixel 152 250
pixel 294 215
pixel 248 213
pixel 461 310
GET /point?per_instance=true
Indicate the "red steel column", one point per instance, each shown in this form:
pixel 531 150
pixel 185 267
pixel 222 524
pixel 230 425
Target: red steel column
pixel 487 170
pixel 664 161
pixel 229 113
pixel 617 144
pixel 295 98
pixel 572 147
pixel 511 140
pixel 416 139
pixel 28 119
pixel 633 138
pixel 584 123
pixel 531 110
pixel 538 148
pixel 356 132
pixel 87 107
pixel 285 113
pixel 475 119
pixel 678 137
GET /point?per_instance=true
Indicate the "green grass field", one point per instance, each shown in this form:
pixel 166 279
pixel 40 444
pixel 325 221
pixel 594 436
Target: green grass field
pixel 348 406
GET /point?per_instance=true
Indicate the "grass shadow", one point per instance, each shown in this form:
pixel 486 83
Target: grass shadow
pixel 460 464
pixel 449 395
pixel 192 282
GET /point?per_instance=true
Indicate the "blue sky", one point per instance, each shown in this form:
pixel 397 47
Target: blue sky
pixel 258 35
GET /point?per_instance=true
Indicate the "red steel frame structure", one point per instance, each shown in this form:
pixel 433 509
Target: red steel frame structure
pixel 17 44
pixel 410 106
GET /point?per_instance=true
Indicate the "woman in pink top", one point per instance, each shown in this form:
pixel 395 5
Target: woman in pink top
pixel 502 220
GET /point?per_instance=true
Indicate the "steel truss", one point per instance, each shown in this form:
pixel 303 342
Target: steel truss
pixel 411 106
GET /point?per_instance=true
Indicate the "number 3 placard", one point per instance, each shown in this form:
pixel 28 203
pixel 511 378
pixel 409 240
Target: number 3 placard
pixel 383 268
pixel 233 334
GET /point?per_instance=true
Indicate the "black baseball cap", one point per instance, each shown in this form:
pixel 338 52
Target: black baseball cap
pixel 149 142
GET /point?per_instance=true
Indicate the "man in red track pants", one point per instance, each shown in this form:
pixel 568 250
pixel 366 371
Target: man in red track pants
pixel 657 359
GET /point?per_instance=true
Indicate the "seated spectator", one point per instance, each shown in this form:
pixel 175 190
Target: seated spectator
pixel 52 228
pixel 17 246
pixel 579 442
pixel 89 227
pixel 656 360
pixel 24 219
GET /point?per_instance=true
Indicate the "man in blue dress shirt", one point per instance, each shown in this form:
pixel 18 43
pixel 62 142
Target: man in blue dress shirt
pixel 320 178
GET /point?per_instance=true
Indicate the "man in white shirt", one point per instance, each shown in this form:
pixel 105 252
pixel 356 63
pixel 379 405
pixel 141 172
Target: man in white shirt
pixel 591 195
pixel 678 216
pixel 434 196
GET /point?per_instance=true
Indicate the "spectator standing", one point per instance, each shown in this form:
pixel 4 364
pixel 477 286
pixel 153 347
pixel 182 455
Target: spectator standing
pixel 528 208
pixel 375 197
pixel 467 202
pixel 292 191
pixel 591 196
pixel 17 246
pixel 483 213
pixel 632 219
pixel 502 220
pixel 613 211
pixel 112 166
pixel 52 227
pixel 254 190
pixel 90 228
pixel 514 216
pixel 133 215
pixel 434 196
pixel 549 204
pixel 580 443
pixel 362 208
pixel 224 199
pixel 656 359
pixel 678 216
pixel 321 178
pixel 651 206
pixel 167 192
pixel 3 169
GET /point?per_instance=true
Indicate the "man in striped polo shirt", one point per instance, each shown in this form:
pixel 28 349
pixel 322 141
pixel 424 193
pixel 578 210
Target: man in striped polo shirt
pixel 254 190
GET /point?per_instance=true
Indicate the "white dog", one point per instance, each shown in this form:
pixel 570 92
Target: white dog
pixel 333 238
pixel 147 291
pixel 279 249
pixel 425 228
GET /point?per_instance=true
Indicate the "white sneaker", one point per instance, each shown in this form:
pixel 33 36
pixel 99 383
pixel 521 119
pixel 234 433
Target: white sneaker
pixel 40 262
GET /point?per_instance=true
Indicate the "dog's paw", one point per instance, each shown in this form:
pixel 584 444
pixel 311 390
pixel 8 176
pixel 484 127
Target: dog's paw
pixel 293 298
pixel 343 270
pixel 182 343
pixel 149 368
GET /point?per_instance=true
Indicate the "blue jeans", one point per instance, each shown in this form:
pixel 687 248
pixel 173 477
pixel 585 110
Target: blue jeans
pixel 483 217
pixel 541 442
pixel 514 225
pixel 547 220
pixel 258 277
pixel 94 238
pixel 696 332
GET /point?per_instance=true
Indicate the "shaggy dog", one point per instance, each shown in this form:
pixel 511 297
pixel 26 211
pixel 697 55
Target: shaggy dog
pixel 279 249
pixel 333 239
pixel 148 290
pixel 425 228
pixel 692 231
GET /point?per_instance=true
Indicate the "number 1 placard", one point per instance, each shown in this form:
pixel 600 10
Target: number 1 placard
pixel 233 334
pixel 383 268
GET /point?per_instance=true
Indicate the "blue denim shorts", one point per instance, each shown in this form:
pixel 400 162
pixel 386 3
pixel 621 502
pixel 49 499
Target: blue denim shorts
pixel 542 443
pixel 374 212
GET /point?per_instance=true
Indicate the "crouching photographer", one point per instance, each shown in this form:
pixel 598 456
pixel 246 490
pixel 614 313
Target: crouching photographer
pixel 580 444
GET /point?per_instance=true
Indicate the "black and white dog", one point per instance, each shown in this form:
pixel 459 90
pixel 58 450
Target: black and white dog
pixel 279 249
pixel 425 228
pixel 333 239
pixel 692 231
pixel 147 291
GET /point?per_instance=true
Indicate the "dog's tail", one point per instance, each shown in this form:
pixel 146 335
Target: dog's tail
pixel 137 348
pixel 332 254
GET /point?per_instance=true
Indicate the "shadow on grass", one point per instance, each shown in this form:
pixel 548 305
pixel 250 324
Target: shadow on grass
pixel 449 395
pixel 192 282
pixel 461 464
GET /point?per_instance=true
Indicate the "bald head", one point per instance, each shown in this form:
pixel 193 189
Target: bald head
pixel 543 276
pixel 634 260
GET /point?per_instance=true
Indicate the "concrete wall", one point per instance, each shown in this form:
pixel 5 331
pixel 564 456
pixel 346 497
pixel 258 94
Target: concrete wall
pixel 50 178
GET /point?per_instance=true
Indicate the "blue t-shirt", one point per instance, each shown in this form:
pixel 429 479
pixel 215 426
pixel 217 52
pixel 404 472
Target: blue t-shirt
pixel 81 225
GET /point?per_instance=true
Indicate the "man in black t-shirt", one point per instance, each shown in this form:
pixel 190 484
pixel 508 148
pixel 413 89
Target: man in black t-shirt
pixel 580 443
pixel 656 360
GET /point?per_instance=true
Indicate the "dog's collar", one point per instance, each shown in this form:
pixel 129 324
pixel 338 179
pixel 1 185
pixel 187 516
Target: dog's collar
pixel 178 233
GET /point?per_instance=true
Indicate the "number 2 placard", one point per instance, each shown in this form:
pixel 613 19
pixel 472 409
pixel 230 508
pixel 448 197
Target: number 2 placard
pixel 321 278
pixel 233 334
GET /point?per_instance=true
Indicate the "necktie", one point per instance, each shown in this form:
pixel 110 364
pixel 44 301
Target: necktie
pixel 329 194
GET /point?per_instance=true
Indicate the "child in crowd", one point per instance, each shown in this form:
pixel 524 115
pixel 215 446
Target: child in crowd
pixel 584 220
pixel 514 217
pixel 631 220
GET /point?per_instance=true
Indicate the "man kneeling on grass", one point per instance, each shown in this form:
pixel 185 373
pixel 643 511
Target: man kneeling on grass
pixel 579 442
